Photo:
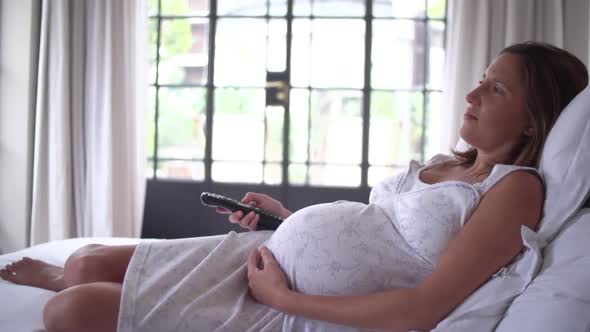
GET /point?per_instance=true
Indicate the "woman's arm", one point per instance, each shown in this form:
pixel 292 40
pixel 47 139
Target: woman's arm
pixel 395 310
pixel 490 239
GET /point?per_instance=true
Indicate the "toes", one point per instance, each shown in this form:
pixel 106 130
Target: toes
pixel 19 263
pixel 4 274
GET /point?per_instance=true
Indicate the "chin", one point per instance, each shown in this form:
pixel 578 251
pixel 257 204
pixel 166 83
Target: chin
pixel 465 135
pixel 467 141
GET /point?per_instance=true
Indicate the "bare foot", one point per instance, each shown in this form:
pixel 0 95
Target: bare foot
pixel 36 273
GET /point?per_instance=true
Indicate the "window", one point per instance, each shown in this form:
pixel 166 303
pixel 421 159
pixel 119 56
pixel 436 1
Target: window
pixel 293 92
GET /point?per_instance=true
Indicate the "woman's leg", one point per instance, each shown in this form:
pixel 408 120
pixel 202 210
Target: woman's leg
pixel 91 263
pixel 88 307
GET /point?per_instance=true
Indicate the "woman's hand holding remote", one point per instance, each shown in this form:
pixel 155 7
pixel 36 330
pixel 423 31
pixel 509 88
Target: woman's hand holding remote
pixel 250 220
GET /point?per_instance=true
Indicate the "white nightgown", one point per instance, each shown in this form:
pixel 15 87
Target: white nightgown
pixel 340 248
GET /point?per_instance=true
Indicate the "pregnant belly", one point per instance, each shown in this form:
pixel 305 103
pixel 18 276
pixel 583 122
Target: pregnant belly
pixel 341 248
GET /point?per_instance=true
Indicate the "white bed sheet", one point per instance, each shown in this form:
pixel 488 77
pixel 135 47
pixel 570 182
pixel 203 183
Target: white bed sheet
pixel 21 307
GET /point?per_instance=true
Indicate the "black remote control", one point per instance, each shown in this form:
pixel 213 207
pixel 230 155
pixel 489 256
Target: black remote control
pixel 267 221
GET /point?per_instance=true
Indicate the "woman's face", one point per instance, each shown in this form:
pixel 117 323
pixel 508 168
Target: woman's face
pixel 496 118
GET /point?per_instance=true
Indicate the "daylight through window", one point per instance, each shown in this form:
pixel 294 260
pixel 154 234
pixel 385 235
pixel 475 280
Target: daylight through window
pixel 315 92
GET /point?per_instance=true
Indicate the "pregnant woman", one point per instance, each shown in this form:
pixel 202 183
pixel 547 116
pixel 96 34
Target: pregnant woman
pixel 428 238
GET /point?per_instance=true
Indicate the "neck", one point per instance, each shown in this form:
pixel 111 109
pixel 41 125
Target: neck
pixel 485 162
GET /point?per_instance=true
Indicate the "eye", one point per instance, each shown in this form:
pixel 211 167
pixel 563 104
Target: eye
pixel 497 90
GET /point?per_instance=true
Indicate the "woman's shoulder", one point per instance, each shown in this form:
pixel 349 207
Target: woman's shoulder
pixel 508 171
pixel 513 176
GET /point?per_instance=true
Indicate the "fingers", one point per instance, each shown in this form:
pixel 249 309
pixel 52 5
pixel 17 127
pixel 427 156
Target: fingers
pixel 248 221
pixel 267 256
pixel 250 197
pixel 236 216
pixel 254 198
pixel 253 259
pixel 254 223
pixel 222 210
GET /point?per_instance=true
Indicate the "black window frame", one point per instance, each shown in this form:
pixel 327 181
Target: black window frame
pixel 366 90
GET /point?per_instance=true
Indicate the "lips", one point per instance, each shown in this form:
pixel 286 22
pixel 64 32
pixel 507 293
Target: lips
pixel 469 115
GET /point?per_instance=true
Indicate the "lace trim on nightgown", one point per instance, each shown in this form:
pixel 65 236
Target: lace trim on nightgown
pixel 429 215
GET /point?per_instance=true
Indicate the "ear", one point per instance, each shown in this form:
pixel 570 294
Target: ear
pixel 529 131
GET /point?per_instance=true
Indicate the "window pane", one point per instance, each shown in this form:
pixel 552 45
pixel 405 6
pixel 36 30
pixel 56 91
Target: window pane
pixel 274 133
pixel 241 172
pixel 153 7
pixel 337 176
pixel 185 7
pixel 240 52
pixel 251 7
pixel 380 173
pixel 325 175
pixel 181 169
pixel 328 53
pixel 302 7
pixel 437 8
pixel 334 8
pixel 398 54
pixel 242 7
pixel 278 8
pixel 299 125
pixel 436 59
pixel 336 126
pixel 297 174
pixel 337 53
pixel 181 123
pixel 277 45
pixel 399 8
pixel 238 125
pixel 395 128
pixel 183 51
pixel 434 106
pixel 273 174
pixel 301 53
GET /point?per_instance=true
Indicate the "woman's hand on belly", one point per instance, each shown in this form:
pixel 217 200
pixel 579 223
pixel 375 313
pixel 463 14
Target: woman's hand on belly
pixel 267 282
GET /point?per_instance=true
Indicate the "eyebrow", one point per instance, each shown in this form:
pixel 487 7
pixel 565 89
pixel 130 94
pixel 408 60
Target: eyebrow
pixel 506 86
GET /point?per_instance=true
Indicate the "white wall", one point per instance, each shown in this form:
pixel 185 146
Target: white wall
pixel 17 64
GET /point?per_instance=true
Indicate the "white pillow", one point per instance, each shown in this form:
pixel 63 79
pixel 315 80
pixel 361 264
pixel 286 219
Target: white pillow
pixel 565 165
pixel 558 299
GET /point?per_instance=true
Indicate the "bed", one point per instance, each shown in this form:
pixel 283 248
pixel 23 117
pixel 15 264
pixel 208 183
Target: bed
pixel 25 314
pixel 556 298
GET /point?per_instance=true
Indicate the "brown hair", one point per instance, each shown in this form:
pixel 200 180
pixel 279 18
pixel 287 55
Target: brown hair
pixel 553 77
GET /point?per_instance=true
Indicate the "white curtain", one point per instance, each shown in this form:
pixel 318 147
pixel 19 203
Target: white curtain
pixel 477 30
pixel 88 167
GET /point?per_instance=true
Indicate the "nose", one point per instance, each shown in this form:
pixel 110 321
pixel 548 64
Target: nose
pixel 473 96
